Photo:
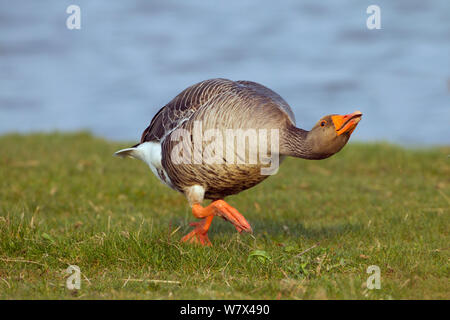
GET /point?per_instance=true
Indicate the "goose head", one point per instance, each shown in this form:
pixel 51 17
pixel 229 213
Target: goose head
pixel 331 133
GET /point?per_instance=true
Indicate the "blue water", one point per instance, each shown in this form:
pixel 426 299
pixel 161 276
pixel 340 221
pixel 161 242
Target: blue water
pixel 132 57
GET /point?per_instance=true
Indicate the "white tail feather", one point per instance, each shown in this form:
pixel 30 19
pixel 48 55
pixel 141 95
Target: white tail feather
pixel 150 153
pixel 129 152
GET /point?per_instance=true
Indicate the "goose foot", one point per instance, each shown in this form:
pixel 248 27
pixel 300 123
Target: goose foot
pixel 230 214
pixel 217 208
pixel 200 233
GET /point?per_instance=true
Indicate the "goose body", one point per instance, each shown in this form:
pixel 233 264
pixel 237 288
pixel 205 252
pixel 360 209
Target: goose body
pixel 245 109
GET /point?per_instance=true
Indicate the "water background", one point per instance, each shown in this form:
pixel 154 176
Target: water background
pixel 132 57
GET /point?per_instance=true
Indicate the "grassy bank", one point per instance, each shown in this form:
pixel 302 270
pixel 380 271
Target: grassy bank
pixel 318 225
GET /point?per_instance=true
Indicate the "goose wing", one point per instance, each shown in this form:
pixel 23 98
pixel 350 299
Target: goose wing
pixel 185 104
pixel 272 95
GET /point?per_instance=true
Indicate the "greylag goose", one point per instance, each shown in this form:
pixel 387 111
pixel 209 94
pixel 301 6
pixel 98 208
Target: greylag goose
pixel 220 137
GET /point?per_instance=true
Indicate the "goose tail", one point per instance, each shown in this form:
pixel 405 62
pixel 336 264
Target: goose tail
pixel 133 152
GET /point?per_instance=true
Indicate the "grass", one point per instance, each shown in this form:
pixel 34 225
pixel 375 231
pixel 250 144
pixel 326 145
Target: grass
pixel 318 225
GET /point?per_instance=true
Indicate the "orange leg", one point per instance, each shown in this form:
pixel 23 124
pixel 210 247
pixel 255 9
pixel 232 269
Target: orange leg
pixel 216 208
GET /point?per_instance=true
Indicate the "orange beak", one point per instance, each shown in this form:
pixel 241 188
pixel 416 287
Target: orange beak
pixel 346 123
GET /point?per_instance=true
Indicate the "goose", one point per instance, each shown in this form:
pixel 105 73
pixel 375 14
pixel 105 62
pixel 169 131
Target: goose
pixel 187 145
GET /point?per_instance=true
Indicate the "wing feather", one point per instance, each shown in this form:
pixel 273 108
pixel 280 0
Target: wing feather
pixel 190 100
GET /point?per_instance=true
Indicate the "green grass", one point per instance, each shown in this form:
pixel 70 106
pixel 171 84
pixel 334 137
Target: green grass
pixel 64 200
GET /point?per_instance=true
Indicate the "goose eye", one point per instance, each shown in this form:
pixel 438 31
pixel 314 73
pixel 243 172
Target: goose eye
pixel 323 123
